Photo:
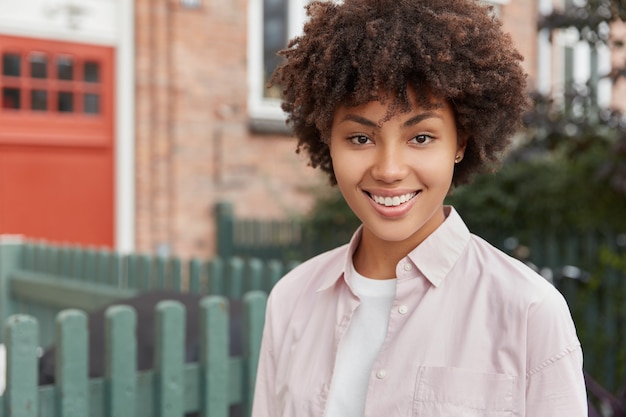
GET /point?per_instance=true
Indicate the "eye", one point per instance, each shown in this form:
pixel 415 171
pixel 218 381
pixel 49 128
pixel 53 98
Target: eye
pixel 422 139
pixel 359 139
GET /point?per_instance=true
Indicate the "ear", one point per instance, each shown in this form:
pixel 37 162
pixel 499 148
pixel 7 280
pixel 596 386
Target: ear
pixel 462 144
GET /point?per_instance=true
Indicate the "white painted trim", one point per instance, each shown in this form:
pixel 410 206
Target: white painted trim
pixel 260 108
pixel 101 39
pixel 255 53
pixel 51 19
pixel 605 86
pixel 125 129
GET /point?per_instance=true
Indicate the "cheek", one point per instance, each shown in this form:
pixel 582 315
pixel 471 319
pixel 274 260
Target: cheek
pixel 435 171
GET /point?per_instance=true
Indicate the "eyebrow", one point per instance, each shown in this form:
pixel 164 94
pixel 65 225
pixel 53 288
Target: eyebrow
pixel 411 122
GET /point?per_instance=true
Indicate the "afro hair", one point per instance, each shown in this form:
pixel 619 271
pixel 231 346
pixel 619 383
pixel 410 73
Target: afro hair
pixel 352 51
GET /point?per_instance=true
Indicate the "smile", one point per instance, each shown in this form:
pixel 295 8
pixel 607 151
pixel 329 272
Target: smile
pixel 393 201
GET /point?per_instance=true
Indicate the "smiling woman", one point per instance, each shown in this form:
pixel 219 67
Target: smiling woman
pixel 398 101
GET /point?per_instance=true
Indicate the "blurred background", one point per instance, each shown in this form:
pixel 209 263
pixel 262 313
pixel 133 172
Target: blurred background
pixel 144 126
pixel 125 122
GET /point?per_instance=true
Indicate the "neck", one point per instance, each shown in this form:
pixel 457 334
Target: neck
pixel 377 258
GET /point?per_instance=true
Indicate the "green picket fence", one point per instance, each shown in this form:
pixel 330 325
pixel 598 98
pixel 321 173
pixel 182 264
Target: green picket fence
pixel 46 291
pixel 41 279
pixel 273 239
pixel 171 389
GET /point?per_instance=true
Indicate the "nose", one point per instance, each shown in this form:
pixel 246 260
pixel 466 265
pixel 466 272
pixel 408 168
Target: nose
pixel 390 164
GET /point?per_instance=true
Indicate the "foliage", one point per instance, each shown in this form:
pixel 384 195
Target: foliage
pixel 560 190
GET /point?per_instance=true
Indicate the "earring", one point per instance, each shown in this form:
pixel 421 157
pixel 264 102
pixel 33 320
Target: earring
pixel 457 159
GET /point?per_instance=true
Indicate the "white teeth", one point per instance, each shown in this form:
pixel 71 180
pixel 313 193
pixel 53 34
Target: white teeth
pixel 393 201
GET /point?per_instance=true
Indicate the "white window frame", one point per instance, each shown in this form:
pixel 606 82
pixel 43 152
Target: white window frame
pixel 265 113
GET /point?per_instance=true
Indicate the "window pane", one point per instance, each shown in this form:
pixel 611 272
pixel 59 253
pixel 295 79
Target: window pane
pixel 11 65
pixel 38 66
pixel 65 68
pixel 274 38
pixel 66 102
pixel 92 72
pixel 39 100
pixel 92 103
pixel 11 98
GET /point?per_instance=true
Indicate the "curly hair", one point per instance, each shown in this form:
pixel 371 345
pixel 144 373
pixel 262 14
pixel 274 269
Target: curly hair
pixel 351 52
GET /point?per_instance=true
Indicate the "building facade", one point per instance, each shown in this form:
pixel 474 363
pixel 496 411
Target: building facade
pixel 164 114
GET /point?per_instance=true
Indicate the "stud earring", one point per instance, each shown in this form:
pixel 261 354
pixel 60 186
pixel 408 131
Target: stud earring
pixel 457 159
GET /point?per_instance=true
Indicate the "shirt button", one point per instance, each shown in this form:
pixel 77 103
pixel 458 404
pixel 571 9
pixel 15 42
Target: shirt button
pixel 408 266
pixel 403 309
pixel 381 373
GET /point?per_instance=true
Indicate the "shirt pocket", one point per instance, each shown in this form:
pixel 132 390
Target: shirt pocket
pixel 455 392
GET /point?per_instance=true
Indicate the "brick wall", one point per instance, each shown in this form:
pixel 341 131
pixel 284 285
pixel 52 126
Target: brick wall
pixel 519 20
pixel 193 145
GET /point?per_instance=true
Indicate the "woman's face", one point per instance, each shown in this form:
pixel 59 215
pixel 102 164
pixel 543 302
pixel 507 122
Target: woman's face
pixel 395 174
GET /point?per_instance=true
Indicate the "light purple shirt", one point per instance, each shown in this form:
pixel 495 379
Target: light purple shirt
pixel 472 332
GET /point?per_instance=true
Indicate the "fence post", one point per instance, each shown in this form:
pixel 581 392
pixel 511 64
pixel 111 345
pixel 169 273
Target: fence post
pixel 196 266
pixel 169 358
pixel 71 370
pixel 254 320
pixel 214 360
pixel 225 229
pixel 10 254
pixel 21 397
pixel 235 276
pixel 120 361
pixel 216 279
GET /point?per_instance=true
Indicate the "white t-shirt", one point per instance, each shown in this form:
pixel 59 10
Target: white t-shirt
pixel 360 345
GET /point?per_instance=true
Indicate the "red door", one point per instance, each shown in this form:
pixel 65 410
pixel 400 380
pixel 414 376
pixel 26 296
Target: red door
pixel 56 141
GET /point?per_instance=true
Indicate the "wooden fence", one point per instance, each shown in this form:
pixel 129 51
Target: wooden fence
pixel 46 290
pixel 173 388
pixel 266 239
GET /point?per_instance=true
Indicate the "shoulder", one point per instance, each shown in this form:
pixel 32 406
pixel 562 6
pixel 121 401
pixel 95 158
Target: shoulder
pixel 507 276
pixel 525 297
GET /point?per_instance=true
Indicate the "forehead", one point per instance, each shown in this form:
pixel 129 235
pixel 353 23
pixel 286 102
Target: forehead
pixel 389 107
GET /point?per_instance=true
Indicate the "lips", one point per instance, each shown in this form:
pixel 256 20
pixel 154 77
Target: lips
pixel 392 201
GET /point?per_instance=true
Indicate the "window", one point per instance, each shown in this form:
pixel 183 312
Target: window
pixel 567 63
pixel 271 24
pixel 40 82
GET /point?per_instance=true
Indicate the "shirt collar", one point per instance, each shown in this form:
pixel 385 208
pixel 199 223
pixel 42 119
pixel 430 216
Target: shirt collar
pixel 440 251
pixel 338 269
pixel 434 257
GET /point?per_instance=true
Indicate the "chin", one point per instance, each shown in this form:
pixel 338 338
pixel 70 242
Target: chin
pixel 396 233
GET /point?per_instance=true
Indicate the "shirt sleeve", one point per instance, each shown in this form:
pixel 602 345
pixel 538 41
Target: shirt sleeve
pixel 264 402
pixel 555 381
